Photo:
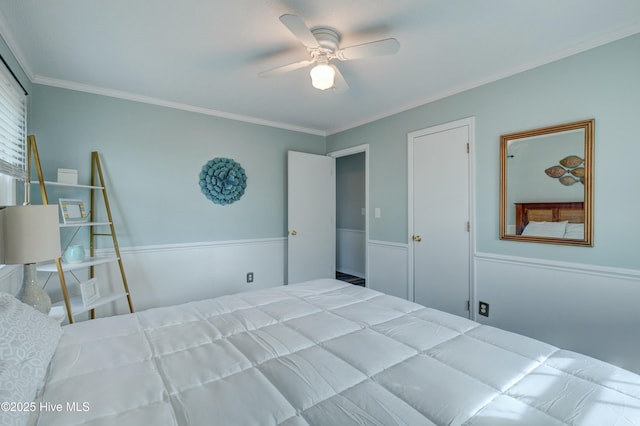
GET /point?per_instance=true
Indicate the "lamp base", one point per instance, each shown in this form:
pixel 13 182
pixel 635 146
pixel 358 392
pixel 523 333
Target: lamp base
pixel 31 293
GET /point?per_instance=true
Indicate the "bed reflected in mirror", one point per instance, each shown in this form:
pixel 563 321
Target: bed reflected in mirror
pixel 546 184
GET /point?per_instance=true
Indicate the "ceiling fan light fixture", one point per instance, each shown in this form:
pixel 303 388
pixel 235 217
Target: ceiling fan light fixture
pixel 322 76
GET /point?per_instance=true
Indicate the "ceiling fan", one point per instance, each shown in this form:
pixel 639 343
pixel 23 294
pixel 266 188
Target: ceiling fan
pixel 323 45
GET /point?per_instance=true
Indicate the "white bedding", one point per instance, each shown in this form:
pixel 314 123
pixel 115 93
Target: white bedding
pixel 323 353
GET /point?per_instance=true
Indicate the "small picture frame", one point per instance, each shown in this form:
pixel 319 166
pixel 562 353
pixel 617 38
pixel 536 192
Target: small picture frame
pixel 73 211
pixel 89 291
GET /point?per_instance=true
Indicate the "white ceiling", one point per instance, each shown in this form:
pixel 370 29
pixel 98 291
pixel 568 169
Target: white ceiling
pixel 205 55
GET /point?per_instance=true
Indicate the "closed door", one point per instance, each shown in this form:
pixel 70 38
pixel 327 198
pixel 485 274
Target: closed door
pixel 440 217
pixel 311 250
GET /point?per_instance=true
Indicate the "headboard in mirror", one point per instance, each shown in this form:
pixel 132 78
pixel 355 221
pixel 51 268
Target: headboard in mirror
pixel 546 184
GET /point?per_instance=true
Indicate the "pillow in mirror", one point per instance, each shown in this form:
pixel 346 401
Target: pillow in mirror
pixel 575 231
pixel 546 229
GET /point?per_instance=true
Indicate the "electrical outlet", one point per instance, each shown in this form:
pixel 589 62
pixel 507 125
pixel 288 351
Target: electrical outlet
pixel 249 277
pixel 483 309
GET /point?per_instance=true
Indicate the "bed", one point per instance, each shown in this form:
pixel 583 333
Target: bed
pixel 551 219
pixel 322 352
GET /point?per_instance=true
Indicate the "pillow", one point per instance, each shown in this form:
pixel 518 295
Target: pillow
pixel 545 229
pixel 575 231
pixel 28 339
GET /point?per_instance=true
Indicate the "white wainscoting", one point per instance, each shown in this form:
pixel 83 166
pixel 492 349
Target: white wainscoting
pixel 350 251
pixel 388 268
pixel 589 309
pixel 170 274
pixel 176 273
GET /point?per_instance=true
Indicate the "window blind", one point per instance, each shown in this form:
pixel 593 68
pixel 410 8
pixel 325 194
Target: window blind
pixel 13 126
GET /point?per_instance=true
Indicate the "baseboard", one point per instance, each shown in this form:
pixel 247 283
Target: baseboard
pixel 351 272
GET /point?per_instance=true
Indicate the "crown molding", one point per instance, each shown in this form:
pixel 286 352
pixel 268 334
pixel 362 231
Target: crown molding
pixel 64 84
pixel 603 39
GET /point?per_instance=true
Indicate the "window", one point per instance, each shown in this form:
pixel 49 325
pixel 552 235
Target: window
pixel 13 128
pixel 13 158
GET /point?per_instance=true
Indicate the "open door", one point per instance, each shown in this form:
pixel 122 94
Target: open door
pixel 311 217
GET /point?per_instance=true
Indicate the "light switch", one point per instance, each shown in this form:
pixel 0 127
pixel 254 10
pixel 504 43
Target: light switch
pixel 377 213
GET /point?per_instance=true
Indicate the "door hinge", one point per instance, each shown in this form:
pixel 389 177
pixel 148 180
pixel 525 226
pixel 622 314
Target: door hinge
pixel 467 147
pixel 468 305
pixel 468 226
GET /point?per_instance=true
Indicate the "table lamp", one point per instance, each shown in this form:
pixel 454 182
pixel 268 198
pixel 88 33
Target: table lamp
pixel 30 234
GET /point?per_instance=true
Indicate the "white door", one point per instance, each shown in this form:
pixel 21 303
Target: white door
pixel 440 216
pixel 311 217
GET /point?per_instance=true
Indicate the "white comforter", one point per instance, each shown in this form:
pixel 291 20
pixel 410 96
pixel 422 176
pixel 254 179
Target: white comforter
pixel 323 353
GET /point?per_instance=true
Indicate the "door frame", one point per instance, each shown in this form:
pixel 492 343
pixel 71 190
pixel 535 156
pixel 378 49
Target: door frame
pixel 350 151
pixel 470 122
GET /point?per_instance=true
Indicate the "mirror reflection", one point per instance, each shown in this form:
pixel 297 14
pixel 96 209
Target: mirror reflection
pixel 546 184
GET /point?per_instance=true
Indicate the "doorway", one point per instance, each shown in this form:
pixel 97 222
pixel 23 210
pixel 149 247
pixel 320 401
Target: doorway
pixel 440 206
pixel 352 214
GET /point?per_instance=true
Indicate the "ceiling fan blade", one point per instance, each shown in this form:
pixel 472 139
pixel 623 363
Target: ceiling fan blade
pixel 296 25
pixel 387 46
pixel 339 83
pixel 286 68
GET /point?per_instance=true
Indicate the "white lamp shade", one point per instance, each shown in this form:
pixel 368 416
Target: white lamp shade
pixel 322 76
pixel 30 234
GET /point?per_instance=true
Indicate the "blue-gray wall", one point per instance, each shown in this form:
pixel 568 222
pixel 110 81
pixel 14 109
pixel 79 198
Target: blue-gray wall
pixel 601 83
pixel 152 157
pixel 350 191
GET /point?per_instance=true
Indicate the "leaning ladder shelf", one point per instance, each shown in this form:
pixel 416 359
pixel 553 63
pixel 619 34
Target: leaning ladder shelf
pixel 74 305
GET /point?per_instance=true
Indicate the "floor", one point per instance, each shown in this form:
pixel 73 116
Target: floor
pixel 350 279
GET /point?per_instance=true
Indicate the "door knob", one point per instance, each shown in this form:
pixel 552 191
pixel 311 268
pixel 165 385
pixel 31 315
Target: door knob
pixel 294 232
pixel 417 238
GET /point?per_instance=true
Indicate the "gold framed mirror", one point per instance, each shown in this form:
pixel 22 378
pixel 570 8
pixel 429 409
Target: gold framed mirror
pixel 546 184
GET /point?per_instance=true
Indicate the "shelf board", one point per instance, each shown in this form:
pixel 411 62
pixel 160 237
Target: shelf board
pixel 78 224
pixel 77 307
pixel 70 185
pixel 89 261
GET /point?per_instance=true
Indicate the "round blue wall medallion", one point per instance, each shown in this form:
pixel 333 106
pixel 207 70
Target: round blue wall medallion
pixel 223 181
